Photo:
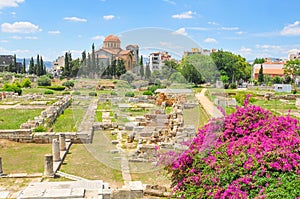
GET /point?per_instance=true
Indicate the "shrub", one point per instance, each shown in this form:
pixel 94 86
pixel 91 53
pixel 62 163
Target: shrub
pixel 40 129
pixel 113 93
pixel 294 91
pixel 153 88
pixel 48 92
pixel 26 83
pixel 44 81
pixel 248 154
pixel 56 88
pixel 92 94
pixel 14 87
pixel 226 86
pixel 68 84
pixel 233 86
pixel 76 93
pixel 66 93
pixel 147 93
pixel 129 94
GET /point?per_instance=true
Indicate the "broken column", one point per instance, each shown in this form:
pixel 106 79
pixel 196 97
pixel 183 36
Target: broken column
pixel 62 142
pixel 1 171
pixel 48 165
pixel 55 150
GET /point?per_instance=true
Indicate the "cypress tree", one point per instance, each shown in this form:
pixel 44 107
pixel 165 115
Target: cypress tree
pixel 261 75
pixel 148 71
pixel 31 66
pixel 38 66
pixel 141 67
pixel 24 67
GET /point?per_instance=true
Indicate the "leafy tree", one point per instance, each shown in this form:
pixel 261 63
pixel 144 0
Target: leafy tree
pixel 44 81
pixel 234 66
pixel 75 67
pixel 287 79
pixel 177 77
pixel 141 67
pixel 68 84
pixel 277 80
pixel 147 71
pixel 155 75
pixel 128 76
pixel 261 74
pixel 26 83
pixel 224 79
pixel 171 63
pixel 31 66
pixel 259 61
pixel 292 68
pixel 190 72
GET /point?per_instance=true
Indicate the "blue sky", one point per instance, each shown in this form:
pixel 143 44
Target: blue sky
pixel 251 28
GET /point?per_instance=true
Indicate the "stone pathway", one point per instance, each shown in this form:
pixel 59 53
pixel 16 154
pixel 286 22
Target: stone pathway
pixel 70 176
pixel 208 106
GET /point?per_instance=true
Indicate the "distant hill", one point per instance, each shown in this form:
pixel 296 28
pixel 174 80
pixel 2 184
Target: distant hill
pixel 48 64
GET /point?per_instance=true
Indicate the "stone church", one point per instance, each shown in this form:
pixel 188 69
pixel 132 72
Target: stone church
pixel 111 50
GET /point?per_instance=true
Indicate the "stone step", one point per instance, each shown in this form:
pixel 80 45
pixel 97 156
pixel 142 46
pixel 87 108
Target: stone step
pixel 70 176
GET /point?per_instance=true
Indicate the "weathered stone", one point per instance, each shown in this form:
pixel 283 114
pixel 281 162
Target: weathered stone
pixel 298 103
pixel 62 142
pixel 48 165
pixel 55 150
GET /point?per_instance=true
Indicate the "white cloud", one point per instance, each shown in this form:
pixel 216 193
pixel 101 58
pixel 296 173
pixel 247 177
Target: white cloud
pixel 197 28
pixel 75 19
pixel 20 52
pixel 229 28
pixel 210 40
pixel 180 31
pixel 213 23
pixel 98 37
pixel 240 32
pixel 3 41
pixel 31 38
pixel 170 2
pixel 20 27
pixel 108 17
pixel 245 51
pixel 16 37
pixel 184 15
pixel 291 29
pixel 10 3
pixel 268 47
pixel 54 32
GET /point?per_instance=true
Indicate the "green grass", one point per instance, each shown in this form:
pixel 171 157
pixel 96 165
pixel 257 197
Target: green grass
pixel 23 157
pixel 94 161
pixel 13 118
pixel 98 116
pixel 276 104
pixel 69 120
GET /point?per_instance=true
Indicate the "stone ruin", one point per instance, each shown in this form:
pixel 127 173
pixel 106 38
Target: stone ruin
pixel 48 116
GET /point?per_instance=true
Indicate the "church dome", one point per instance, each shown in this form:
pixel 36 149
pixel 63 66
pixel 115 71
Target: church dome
pixel 112 38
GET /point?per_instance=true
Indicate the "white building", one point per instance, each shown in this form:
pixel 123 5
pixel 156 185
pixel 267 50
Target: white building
pixel 58 65
pixel 294 54
pixel 157 59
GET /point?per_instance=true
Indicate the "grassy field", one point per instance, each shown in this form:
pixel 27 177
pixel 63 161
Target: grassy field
pixel 21 157
pixel 82 163
pixel 13 118
pixel 69 120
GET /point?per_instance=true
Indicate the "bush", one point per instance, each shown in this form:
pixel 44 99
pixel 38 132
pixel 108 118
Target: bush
pixel 68 84
pixel 44 81
pixel 233 86
pixel 129 94
pixel 248 154
pixel 66 93
pixel 48 92
pixel 153 88
pixel 92 94
pixel 26 83
pixel 147 93
pixel 40 129
pixel 113 93
pixel 226 86
pixel 76 93
pixel 15 87
pixel 56 88
pixel 294 91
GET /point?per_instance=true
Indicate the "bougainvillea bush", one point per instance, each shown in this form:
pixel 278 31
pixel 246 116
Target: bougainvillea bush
pixel 248 154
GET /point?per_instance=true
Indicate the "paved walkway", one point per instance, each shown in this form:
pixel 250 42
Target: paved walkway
pixel 208 106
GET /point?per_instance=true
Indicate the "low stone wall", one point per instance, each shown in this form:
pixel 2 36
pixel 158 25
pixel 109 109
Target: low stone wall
pixel 27 136
pixel 49 115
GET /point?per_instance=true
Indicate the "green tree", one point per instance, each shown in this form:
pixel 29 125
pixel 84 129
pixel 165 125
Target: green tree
pixel 292 68
pixel 141 67
pixel 38 66
pixel 259 61
pixel 93 59
pixel 261 74
pixel 277 80
pixel 120 68
pixel 147 71
pixel 128 76
pixel 66 70
pixel 31 66
pixel 234 66
pixel 190 72
pixel 44 81
pixel 23 70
